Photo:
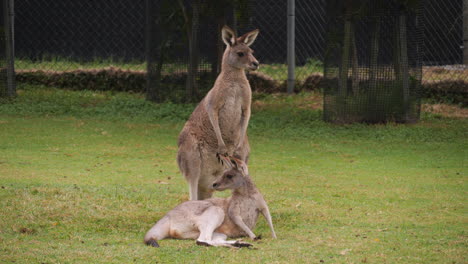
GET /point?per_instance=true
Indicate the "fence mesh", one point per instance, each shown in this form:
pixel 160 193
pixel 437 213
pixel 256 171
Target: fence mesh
pixel 445 72
pixel 372 62
pixel 69 35
pixel 310 41
pixel 105 42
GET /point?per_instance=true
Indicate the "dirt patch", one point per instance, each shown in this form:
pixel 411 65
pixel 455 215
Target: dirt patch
pixel 108 79
pixel 25 230
pixel 445 110
pixel 261 82
pixel 312 100
pixel 449 72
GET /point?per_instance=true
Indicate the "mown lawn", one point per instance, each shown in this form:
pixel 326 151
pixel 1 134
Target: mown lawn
pixel 83 176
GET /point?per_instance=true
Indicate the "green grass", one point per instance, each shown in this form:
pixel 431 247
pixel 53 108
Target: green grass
pixel 64 64
pixel 279 71
pixel 83 176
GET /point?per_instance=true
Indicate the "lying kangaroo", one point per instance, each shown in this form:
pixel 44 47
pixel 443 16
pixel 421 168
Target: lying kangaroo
pixel 212 220
pixel 218 125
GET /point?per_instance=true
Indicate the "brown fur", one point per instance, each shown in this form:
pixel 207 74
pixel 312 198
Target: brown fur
pixel 218 125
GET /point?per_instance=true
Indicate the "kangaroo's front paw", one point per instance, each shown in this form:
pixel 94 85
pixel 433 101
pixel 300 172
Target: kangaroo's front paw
pixel 222 150
pixel 240 244
pixel 219 157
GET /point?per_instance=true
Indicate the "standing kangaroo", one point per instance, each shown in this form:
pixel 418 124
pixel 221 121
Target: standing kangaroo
pixel 218 125
pixel 213 220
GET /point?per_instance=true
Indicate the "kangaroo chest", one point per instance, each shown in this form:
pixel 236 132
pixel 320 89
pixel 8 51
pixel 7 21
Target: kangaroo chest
pixel 249 214
pixel 231 114
pixel 248 210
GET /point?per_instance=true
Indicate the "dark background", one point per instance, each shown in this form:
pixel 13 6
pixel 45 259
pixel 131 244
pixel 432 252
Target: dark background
pixel 86 30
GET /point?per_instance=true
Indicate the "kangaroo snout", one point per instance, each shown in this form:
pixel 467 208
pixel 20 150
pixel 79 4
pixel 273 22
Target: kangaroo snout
pixel 254 66
pixel 219 187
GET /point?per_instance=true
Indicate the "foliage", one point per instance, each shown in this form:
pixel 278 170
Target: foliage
pixel 454 92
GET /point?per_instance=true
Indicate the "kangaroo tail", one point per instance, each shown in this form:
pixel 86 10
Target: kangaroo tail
pixel 159 231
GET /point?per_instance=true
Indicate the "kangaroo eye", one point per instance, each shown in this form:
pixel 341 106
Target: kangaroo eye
pixel 240 54
pixel 229 176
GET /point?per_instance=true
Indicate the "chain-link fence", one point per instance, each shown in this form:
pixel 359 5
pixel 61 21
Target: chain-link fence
pixel 67 35
pixel 81 44
pixel 107 44
pixel 373 62
pixel 445 69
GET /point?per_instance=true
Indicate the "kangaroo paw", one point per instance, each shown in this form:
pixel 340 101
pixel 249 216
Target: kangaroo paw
pixel 201 243
pixel 219 158
pixel 258 237
pixel 222 158
pixel 152 243
pixel 241 244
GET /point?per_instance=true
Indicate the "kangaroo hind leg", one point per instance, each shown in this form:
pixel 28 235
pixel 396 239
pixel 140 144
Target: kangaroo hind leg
pixel 159 231
pixel 220 239
pixel 211 219
pixel 189 162
pixel 204 194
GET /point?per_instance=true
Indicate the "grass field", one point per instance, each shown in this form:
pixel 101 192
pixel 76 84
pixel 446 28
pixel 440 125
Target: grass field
pixel 83 176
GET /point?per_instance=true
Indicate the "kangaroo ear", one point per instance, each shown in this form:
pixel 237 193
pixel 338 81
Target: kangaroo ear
pixel 234 163
pixel 228 35
pixel 249 38
pixel 226 161
pixel 240 165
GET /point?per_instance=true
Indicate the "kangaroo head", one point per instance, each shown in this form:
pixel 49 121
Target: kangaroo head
pixel 237 53
pixel 231 179
pixel 235 175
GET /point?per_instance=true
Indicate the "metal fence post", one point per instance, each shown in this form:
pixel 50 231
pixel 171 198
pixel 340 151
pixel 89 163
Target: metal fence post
pixel 9 47
pixel 291 51
pixel 465 32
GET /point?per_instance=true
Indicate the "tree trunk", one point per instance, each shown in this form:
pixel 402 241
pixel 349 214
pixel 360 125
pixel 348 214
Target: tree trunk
pixel 152 81
pixel 216 65
pixel 345 57
pixel 355 66
pixel 192 85
pixel 404 67
pixel 396 51
pixel 234 18
pixel 8 24
pixel 154 91
pixel 374 55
